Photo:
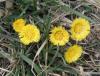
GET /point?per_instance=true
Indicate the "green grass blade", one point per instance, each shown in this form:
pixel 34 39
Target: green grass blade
pixel 66 9
pixel 29 61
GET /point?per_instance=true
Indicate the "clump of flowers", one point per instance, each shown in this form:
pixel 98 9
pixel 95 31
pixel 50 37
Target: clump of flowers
pixel 59 36
pixel 80 28
pixel 28 33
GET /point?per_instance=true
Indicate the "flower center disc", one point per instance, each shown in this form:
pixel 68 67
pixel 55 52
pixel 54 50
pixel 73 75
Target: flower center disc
pixel 79 28
pixel 58 35
pixel 28 35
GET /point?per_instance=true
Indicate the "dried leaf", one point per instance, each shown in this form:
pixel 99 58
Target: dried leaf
pixel 9 4
pixel 94 2
pixel 1 12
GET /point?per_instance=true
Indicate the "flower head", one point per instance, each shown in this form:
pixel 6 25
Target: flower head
pixel 73 53
pixel 80 28
pixel 29 33
pixel 18 24
pixel 59 36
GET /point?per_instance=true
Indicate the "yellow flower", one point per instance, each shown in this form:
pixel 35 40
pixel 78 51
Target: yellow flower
pixel 80 28
pixel 29 33
pixel 18 24
pixel 59 36
pixel 73 53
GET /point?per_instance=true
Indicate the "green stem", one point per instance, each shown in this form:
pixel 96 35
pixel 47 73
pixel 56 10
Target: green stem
pixel 34 4
pixel 54 56
pixel 51 61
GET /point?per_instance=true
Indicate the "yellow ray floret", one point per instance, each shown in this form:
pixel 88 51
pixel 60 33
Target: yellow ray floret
pixel 80 28
pixel 59 36
pixel 29 33
pixel 73 53
pixel 18 24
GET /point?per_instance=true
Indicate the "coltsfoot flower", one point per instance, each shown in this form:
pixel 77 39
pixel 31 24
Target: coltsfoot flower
pixel 80 28
pixel 18 24
pixel 29 33
pixel 73 53
pixel 59 36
